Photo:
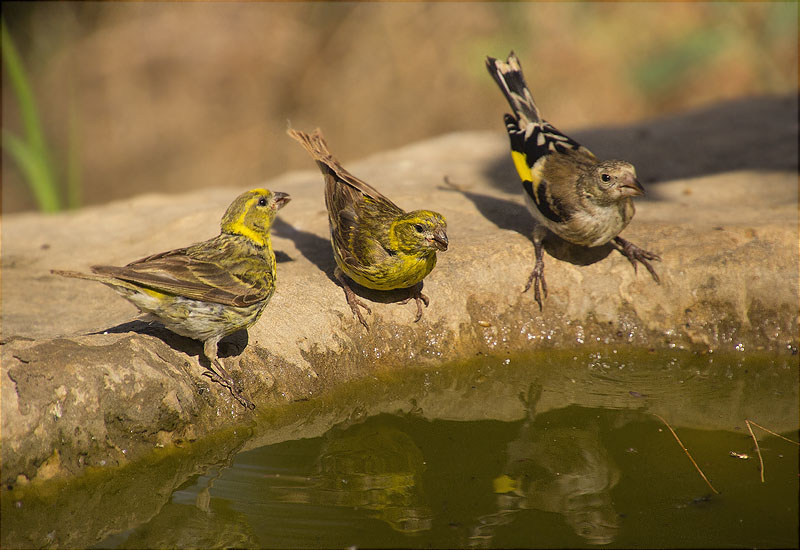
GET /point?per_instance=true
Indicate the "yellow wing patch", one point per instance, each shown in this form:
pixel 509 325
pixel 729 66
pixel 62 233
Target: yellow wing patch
pixel 526 173
pixel 521 164
pixel 154 293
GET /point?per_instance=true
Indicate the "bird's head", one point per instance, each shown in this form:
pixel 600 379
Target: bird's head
pixel 251 214
pixel 614 180
pixel 418 231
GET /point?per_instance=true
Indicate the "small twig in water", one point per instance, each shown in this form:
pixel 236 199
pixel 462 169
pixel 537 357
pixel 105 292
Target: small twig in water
pixel 685 450
pixel 772 433
pixel 758 449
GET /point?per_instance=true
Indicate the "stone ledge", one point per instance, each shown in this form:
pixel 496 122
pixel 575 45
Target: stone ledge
pixel 83 384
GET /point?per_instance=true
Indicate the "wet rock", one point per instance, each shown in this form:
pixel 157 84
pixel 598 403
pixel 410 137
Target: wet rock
pixel 85 384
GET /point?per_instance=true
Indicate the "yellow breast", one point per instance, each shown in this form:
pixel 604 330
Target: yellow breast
pixel 401 271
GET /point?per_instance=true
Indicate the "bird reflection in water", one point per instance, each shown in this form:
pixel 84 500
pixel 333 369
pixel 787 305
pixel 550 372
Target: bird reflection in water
pixel 371 467
pixel 563 470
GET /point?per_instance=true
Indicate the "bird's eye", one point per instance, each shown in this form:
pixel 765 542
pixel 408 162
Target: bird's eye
pixel 605 177
pixel 262 201
pixel 418 228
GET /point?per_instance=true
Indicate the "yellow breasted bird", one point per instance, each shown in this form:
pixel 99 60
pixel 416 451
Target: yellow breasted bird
pixel 569 191
pixel 375 243
pixel 210 289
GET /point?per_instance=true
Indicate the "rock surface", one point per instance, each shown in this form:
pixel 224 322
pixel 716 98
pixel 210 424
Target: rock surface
pixel 85 384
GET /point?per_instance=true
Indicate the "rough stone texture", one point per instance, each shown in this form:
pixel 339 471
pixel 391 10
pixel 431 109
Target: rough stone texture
pixel 85 384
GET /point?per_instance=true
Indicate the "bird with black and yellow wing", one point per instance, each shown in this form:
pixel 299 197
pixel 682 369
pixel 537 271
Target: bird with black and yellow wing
pixel 569 191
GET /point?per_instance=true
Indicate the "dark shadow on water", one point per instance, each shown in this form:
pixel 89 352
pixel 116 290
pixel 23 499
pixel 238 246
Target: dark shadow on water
pixel 464 459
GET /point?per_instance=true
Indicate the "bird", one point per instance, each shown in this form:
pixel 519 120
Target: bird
pixel 375 243
pixel 568 190
pixel 210 289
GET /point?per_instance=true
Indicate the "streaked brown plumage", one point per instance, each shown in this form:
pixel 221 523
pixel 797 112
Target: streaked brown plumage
pixel 210 289
pixel 375 242
pixel 569 191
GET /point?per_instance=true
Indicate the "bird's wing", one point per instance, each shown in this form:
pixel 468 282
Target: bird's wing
pixel 360 215
pixel 178 272
pixel 360 226
pixel 536 146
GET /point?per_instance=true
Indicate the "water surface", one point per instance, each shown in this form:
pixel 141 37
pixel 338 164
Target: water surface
pixel 546 450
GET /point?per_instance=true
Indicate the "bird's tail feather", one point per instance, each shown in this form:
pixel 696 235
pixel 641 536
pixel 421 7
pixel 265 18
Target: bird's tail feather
pixel 317 147
pixel 511 81
pixel 333 171
pixel 78 275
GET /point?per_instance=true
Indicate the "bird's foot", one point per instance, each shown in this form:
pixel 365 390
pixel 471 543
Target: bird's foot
pixel 228 382
pixel 536 279
pixel 636 254
pixel 352 300
pixel 420 298
pixel 356 305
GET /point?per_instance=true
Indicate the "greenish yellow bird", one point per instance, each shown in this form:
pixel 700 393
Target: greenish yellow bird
pixel 569 191
pixel 210 289
pixel 375 242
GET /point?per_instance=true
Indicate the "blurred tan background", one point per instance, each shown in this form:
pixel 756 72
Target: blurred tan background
pixel 168 97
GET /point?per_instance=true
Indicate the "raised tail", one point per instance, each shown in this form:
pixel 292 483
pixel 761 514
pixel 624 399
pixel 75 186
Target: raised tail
pixel 511 81
pixel 314 143
pixel 317 147
pixel 331 168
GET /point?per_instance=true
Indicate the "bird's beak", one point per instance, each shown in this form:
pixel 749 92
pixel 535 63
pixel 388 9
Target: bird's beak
pixel 281 199
pixel 631 187
pixel 440 239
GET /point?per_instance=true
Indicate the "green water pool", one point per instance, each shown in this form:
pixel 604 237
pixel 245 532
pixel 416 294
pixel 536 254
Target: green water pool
pixel 553 449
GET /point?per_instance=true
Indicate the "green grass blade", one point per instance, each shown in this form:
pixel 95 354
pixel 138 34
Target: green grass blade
pixel 33 155
pixel 74 187
pixel 36 175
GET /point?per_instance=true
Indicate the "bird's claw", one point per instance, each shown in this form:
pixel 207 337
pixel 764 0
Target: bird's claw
pixel 352 300
pixel 232 386
pixel 636 254
pixel 355 306
pixel 419 298
pixel 536 279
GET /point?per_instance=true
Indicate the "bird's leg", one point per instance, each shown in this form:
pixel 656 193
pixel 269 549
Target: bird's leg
pixel 352 299
pixel 216 370
pixel 217 373
pixel 537 275
pixel 227 381
pixel 415 292
pixel 636 254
